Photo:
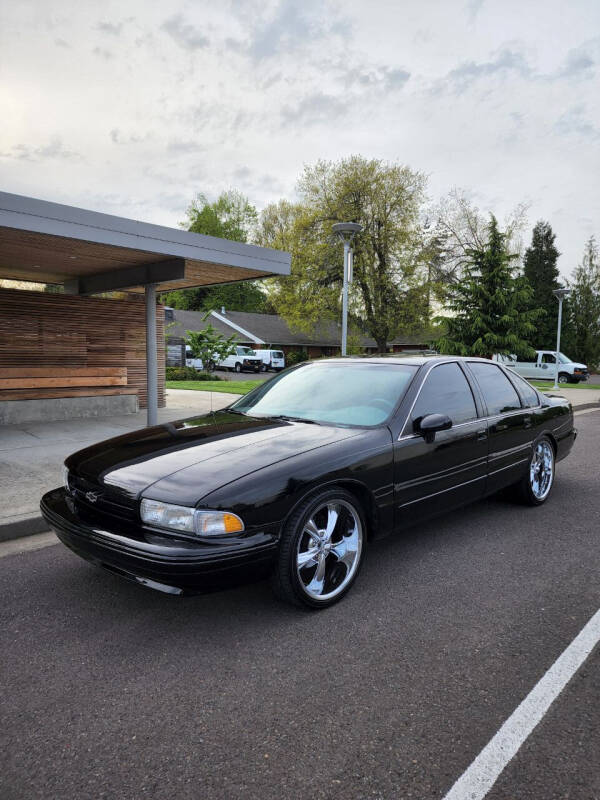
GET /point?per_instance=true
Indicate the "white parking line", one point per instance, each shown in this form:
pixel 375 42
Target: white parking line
pixel 482 774
pixel 26 543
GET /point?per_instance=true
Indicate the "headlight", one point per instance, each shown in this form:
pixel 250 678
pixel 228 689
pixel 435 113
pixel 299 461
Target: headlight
pixel 189 520
pixel 65 477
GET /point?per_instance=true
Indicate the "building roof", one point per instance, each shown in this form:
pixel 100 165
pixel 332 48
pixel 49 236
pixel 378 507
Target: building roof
pixel 52 243
pixel 270 329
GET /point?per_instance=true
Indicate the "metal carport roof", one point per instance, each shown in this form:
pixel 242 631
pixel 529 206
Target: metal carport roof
pixel 90 252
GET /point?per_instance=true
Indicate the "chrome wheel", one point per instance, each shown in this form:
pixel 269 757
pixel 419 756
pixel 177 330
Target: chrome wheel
pixel 329 549
pixel 541 470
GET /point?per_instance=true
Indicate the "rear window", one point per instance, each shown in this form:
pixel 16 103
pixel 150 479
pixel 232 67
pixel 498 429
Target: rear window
pixel 277 354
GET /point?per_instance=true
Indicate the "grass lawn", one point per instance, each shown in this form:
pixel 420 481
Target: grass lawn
pixel 549 385
pixel 233 387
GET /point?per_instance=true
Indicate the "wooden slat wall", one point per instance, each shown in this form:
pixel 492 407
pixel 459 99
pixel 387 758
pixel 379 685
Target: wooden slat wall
pixel 57 330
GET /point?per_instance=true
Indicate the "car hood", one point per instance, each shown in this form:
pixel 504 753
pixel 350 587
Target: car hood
pixel 183 461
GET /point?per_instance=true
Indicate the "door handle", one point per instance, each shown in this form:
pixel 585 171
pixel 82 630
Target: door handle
pixel 528 422
pixel 481 434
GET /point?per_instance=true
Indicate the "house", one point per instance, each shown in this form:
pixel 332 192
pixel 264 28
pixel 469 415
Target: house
pixel 270 331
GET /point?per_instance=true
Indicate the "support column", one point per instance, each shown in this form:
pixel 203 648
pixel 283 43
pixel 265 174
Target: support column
pixel 345 298
pixel 151 355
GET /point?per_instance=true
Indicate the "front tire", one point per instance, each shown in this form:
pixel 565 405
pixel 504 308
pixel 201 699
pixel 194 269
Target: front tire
pixel 322 550
pixel 238 367
pixel 563 377
pixel 535 487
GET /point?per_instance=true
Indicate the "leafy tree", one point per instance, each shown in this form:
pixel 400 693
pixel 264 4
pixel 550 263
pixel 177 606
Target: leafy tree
pixel 542 273
pixel 460 228
pixel 243 296
pixel 581 334
pixel 232 217
pixel 388 292
pixel 489 305
pixel 210 346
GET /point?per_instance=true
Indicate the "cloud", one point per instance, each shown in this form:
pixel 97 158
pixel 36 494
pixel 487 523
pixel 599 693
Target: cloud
pixel 291 26
pixel 473 8
pixel 314 109
pixel 109 28
pixel 574 123
pixel 462 77
pixel 117 137
pixel 581 61
pixel 55 149
pixel 181 147
pixel 61 43
pixel 376 78
pixel 102 52
pixel 184 34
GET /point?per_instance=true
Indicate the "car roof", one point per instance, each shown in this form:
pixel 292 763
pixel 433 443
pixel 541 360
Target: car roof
pixel 416 361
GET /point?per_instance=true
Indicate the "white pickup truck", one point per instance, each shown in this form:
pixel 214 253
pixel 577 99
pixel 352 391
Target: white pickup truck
pixel 543 367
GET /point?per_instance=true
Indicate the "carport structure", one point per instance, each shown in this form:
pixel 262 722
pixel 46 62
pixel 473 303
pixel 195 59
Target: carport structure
pixel 90 252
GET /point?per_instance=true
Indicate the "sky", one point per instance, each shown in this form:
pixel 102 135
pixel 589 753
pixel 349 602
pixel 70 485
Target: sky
pixel 133 107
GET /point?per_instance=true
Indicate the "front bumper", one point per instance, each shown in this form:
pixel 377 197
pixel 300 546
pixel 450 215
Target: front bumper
pixel 159 561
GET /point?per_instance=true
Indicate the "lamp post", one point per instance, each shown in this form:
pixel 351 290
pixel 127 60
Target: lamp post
pixel 346 231
pixel 560 295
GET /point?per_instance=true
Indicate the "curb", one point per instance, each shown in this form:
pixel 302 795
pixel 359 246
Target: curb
pixel 23 525
pixel 585 405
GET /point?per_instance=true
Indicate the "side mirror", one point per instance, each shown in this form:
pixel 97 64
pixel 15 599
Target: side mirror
pixel 430 424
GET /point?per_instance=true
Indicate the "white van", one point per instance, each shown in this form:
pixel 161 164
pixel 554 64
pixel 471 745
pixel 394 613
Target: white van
pixel 542 366
pixel 272 359
pixel 244 358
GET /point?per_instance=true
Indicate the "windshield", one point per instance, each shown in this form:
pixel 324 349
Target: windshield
pixel 563 359
pixel 348 393
pixel 245 351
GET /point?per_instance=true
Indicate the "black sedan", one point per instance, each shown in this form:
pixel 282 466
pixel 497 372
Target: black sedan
pixel 293 480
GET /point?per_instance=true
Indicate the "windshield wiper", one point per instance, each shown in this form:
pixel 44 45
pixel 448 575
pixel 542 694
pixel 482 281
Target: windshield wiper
pixel 289 418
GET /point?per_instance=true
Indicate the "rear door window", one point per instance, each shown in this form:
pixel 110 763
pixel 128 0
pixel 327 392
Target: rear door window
pixel 498 392
pixel 446 391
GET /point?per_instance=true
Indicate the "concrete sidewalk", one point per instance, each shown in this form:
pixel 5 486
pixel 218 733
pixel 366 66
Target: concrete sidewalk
pixel 31 454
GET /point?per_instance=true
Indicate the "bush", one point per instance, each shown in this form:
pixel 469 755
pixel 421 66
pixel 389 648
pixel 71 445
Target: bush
pixel 295 357
pixel 189 374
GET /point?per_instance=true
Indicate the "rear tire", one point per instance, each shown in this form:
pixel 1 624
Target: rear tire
pixel 321 551
pixel 536 485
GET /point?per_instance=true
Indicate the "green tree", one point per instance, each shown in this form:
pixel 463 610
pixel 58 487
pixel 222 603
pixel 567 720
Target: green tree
pixel 542 273
pixel 490 305
pixel 232 217
pixel 388 292
pixel 581 333
pixel 210 346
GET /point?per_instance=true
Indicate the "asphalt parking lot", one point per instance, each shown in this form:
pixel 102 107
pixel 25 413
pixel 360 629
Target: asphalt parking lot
pixel 112 691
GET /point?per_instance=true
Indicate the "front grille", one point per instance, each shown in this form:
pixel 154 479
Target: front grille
pixel 102 499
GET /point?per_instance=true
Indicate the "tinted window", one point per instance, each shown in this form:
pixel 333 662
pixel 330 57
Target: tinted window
pixel 446 391
pixel 529 394
pixel 350 393
pixel 547 358
pixel 498 392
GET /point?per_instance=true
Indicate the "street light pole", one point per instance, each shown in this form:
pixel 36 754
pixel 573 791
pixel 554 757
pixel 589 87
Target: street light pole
pixel 560 295
pixel 346 231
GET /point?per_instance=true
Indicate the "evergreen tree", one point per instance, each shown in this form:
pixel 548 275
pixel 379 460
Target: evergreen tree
pixel 542 273
pixel 491 304
pixel 581 333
